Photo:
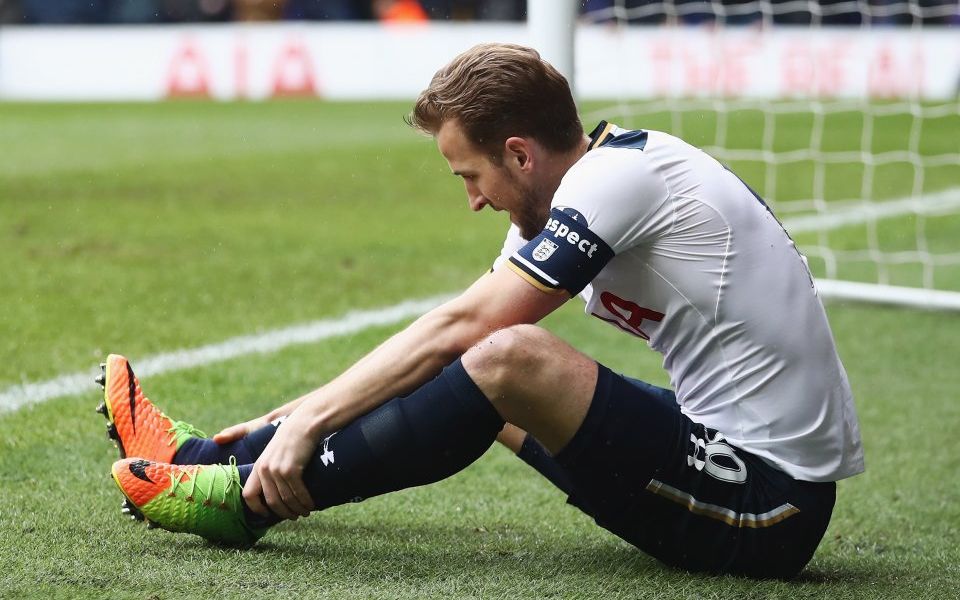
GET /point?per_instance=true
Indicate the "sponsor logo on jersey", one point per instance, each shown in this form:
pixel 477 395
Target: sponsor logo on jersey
pixel 561 231
pixel 544 250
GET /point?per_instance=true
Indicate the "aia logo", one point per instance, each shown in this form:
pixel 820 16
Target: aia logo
pixel 629 315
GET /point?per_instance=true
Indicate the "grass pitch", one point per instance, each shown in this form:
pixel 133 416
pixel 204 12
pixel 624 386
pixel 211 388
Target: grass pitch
pixel 144 228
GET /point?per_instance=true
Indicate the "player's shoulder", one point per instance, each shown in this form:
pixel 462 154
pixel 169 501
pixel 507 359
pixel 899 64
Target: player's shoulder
pixel 619 151
pixel 618 166
pixel 605 164
pixel 609 136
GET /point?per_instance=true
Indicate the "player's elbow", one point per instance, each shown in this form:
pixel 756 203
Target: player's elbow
pixel 453 332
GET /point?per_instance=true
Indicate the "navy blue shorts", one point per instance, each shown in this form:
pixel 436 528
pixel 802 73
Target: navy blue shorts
pixel 678 491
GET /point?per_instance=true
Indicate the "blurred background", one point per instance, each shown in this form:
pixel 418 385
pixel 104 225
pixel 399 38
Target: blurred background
pixel 194 183
pixel 837 12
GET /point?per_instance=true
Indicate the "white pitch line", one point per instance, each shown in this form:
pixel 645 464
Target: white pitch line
pixel 18 396
pixel 931 204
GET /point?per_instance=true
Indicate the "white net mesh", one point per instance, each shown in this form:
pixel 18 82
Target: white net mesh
pixel 803 12
pixel 869 188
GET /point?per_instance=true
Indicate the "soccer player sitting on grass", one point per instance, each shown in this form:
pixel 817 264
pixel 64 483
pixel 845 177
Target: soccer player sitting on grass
pixel 731 471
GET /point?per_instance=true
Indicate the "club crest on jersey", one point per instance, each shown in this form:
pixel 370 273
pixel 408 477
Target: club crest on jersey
pixel 544 250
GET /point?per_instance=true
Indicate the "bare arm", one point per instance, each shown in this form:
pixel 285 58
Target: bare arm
pixel 235 432
pixel 415 355
pixel 418 353
pixel 398 366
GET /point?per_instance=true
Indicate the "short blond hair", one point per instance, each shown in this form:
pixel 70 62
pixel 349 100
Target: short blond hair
pixel 496 91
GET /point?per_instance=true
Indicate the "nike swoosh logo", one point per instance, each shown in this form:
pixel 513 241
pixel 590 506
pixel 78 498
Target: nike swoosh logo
pixel 133 396
pixel 139 470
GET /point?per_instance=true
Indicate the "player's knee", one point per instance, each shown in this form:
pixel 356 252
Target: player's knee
pixel 503 357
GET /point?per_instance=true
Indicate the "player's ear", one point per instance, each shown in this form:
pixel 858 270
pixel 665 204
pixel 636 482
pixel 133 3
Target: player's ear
pixel 518 150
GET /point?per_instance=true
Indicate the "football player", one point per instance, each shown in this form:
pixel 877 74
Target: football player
pixel 731 470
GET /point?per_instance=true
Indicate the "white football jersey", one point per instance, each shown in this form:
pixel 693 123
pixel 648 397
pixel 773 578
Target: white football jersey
pixel 662 241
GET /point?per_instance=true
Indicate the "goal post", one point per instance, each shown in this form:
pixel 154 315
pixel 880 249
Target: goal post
pixel 552 25
pixel 844 115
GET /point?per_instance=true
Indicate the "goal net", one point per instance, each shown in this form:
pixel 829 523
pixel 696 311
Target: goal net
pixel 843 115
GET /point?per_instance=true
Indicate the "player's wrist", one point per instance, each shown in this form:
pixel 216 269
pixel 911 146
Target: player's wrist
pixel 313 422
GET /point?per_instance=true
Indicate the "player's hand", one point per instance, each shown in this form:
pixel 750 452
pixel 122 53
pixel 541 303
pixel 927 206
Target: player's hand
pixel 240 430
pixel 276 482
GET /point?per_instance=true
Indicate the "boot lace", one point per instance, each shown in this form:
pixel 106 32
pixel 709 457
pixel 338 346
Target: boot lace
pixel 179 429
pixel 227 499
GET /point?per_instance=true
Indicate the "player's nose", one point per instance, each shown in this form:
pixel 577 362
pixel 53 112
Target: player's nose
pixel 476 200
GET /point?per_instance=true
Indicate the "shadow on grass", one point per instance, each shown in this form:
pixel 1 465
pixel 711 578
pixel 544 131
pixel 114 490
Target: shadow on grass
pixel 516 551
pixel 856 574
pixel 405 554
pixel 418 548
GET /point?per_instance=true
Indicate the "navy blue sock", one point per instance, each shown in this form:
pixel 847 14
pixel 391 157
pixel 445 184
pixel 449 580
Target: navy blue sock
pixel 202 451
pixel 436 431
pixel 535 455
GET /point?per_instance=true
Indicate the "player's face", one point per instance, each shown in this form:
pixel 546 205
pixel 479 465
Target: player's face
pixel 498 186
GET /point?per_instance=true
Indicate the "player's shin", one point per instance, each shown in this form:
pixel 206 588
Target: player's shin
pixel 427 436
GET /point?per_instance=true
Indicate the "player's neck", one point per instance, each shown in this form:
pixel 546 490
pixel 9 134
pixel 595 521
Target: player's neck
pixel 563 162
pixel 577 153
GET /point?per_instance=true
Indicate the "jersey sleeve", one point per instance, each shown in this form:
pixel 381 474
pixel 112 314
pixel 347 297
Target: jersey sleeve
pixel 622 197
pixel 511 244
pixel 607 203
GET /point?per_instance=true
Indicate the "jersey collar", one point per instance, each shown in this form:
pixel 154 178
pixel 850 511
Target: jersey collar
pixel 601 134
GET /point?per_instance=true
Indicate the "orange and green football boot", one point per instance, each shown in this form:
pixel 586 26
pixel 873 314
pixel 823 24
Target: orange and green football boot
pixel 137 427
pixel 204 500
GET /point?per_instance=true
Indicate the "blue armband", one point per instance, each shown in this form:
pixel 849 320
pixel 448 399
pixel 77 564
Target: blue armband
pixel 565 256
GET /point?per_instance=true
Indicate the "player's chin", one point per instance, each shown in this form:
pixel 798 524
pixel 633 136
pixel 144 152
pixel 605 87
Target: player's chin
pixel 528 229
pixel 528 234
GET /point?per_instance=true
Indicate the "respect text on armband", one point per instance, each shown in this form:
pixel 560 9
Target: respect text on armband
pixel 561 231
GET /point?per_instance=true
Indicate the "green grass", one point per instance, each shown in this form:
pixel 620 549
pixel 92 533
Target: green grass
pixel 144 228
pixel 248 232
